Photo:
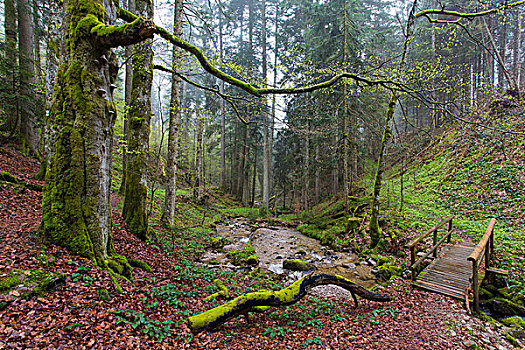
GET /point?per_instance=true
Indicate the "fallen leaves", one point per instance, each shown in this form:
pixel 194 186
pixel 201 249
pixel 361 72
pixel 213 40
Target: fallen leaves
pixel 74 316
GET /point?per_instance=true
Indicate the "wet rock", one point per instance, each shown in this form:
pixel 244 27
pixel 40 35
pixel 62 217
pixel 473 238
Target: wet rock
pixel 350 266
pixel 317 257
pixel 230 247
pixel 504 307
pixel 276 268
pixel 297 265
pixel 329 253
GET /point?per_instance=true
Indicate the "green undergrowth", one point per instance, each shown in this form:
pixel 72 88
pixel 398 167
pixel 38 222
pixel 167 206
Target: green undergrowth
pixel 474 173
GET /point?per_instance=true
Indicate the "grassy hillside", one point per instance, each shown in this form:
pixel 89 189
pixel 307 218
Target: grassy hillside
pixel 475 170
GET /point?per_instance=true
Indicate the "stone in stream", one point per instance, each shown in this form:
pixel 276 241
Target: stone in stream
pixel 350 266
pixel 276 268
pixel 297 265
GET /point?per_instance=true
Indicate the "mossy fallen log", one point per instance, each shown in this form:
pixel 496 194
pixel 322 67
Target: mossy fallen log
pixel 263 300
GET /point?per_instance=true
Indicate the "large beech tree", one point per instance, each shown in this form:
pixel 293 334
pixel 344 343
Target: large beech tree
pixel 76 199
pixel 136 191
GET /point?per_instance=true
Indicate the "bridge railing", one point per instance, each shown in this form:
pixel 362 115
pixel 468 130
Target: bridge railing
pixel 435 245
pixel 483 251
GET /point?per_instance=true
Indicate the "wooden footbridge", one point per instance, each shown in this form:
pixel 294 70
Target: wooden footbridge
pixel 458 268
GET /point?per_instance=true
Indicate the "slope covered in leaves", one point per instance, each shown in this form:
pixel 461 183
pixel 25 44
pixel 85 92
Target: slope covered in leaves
pixel 88 313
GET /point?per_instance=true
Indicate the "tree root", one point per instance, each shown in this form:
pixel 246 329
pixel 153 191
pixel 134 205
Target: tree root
pixel 262 300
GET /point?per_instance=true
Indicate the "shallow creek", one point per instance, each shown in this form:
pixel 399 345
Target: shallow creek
pixel 273 244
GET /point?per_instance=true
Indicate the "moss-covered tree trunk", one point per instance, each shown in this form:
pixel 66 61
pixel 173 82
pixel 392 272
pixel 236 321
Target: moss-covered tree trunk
pixel 375 234
pixel 76 199
pixel 263 300
pixel 374 230
pixel 168 211
pixel 136 191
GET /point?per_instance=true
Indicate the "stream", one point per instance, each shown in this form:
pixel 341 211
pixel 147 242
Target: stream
pixel 273 244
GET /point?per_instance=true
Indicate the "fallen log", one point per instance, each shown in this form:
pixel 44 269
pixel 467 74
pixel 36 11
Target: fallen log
pixel 262 300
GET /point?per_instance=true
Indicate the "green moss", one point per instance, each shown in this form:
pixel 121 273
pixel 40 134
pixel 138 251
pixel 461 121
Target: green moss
pixel 519 298
pixel 223 291
pixel 511 339
pixel 514 322
pixel 140 264
pixel 34 282
pixel 38 188
pixel 484 294
pixel 239 257
pixel 387 271
pixel 6 176
pixel 104 294
pixel 297 265
pixel 219 242
pixel 120 266
pixel 116 267
pixel 352 223
pixel 252 260
pixel 11 280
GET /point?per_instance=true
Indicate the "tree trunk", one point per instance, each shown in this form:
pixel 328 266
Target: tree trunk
pixel 76 200
pixel 127 99
pixel 306 169
pixel 374 231
pixel 168 211
pixel 266 142
pixel 198 158
pixel 55 51
pixel 317 172
pixel 346 180
pixel 516 49
pixel 262 300
pixel 12 106
pixel 136 191
pixel 222 175
pixel 28 125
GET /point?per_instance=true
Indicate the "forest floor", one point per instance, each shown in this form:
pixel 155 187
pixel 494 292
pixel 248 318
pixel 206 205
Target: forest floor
pixel 152 312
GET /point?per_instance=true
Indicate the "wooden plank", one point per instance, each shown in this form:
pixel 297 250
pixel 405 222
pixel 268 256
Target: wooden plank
pixel 497 271
pixel 446 279
pixel 450 273
pixel 439 289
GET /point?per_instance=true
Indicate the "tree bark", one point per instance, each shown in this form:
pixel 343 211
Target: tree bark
pixel 12 107
pixel 127 100
pixel 168 212
pixel 263 300
pixel 346 180
pixel 28 124
pixel 55 50
pixel 136 189
pixel 266 142
pixel 198 158
pixel 76 200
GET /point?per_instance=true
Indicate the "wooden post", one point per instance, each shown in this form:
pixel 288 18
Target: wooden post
pixel 475 285
pixel 449 230
pixel 487 257
pixel 492 242
pixel 412 261
pixel 434 242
